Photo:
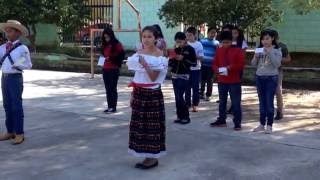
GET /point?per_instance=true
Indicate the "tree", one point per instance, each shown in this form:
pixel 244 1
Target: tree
pixel 69 14
pixel 304 6
pixel 244 13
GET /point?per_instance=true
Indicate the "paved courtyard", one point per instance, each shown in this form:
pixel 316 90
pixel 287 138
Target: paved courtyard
pixel 69 138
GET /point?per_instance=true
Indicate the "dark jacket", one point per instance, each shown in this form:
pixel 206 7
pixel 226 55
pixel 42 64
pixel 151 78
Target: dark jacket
pixel 115 57
pixel 189 59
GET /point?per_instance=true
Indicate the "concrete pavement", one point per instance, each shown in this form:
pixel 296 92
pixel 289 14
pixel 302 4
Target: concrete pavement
pixel 68 137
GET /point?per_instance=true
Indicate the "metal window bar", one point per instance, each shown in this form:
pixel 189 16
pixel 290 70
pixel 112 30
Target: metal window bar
pixel 101 12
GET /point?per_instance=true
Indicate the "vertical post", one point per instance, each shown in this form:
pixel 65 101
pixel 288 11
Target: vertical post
pixel 92 52
pixel 119 14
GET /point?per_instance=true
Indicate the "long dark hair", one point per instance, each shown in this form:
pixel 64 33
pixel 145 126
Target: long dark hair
pixel 271 33
pixel 158 28
pixel 240 38
pixel 153 30
pixel 113 40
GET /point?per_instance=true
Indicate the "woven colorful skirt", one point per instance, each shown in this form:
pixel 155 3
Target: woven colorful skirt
pixel 147 126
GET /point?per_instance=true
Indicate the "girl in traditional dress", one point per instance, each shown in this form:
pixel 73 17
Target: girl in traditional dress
pixel 147 126
pixel 160 41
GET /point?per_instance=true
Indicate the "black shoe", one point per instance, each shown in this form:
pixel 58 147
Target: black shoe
pixel 218 101
pixel 178 121
pixel 144 167
pixel 185 121
pixel 230 111
pixel 237 128
pixel 279 116
pixel 219 123
pixel 110 111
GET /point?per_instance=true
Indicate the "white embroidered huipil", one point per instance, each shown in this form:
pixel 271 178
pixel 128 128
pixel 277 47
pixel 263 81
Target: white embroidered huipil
pixel 155 63
pixel 20 57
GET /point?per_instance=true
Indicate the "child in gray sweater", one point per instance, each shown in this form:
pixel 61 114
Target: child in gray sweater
pixel 267 59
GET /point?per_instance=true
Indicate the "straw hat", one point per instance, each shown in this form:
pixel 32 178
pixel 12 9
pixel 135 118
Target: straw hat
pixel 16 25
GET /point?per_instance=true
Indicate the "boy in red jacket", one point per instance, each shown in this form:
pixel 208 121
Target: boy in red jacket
pixel 228 64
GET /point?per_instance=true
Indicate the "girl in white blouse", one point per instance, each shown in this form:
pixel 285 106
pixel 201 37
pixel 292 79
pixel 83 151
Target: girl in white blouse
pixel 147 125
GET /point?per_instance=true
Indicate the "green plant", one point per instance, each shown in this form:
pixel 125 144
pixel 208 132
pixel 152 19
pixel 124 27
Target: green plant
pixel 71 51
pixel 244 13
pixel 68 14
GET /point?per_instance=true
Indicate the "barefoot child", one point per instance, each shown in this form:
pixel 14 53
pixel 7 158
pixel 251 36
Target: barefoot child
pixel 195 72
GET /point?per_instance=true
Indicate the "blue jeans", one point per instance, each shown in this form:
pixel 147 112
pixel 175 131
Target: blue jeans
pixel 179 87
pixel 206 81
pixel 194 86
pixel 266 87
pixel 12 88
pixel 110 78
pixel 235 93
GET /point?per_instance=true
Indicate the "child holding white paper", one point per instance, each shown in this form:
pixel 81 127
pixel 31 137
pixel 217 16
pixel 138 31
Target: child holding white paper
pixel 267 59
pixel 112 56
pixel 228 63
pixel 147 125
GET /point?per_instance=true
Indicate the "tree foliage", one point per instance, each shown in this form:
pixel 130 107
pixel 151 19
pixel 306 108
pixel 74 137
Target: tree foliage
pixel 244 13
pixel 304 6
pixel 68 14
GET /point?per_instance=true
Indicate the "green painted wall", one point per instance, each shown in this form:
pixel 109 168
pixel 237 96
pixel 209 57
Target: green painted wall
pixel 148 10
pixel 46 34
pixel 300 32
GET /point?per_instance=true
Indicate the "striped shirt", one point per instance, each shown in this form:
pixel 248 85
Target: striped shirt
pixel 209 49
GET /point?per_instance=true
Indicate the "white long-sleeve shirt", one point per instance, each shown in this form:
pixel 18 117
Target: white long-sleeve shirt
pixel 20 57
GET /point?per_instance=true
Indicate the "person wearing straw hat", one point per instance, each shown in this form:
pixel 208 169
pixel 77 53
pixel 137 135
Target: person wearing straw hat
pixel 14 58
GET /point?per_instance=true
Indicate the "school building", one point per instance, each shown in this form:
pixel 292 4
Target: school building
pixel 299 32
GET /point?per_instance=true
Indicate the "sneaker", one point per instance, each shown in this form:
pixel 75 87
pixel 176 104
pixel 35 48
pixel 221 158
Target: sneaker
pixel 218 101
pixel 268 130
pixel 110 111
pixel 219 123
pixel 207 98
pixel 279 116
pixel 260 128
pixel 195 109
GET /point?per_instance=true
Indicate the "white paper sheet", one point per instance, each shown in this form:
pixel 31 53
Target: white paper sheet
pixel 259 50
pixel 101 61
pixel 223 71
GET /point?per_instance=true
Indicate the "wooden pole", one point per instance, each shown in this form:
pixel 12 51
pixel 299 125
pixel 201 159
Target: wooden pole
pixel 119 14
pixel 92 53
